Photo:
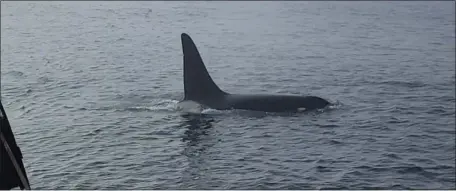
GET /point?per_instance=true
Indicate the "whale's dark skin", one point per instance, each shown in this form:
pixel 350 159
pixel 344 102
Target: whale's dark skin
pixel 199 87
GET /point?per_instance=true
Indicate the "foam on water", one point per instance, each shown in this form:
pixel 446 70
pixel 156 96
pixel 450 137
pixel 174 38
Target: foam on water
pixel 188 106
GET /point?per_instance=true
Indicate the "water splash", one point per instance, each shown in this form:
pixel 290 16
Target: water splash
pixel 190 107
pixel 160 105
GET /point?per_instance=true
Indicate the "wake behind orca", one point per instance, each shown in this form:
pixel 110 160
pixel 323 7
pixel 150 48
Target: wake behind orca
pixel 199 87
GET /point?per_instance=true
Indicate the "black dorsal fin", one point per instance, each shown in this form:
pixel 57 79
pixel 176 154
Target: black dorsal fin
pixel 198 84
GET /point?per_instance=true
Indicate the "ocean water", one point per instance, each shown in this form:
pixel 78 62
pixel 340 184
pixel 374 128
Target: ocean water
pixel 91 90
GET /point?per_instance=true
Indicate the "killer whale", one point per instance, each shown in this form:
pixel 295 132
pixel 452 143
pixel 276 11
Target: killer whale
pixel 199 87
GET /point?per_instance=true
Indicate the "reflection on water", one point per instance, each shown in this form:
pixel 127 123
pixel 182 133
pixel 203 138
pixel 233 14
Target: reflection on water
pixel 197 126
pixel 199 139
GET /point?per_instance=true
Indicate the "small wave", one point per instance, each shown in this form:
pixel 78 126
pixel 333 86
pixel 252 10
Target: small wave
pixel 320 168
pixel 211 111
pixel 394 120
pixel 335 105
pixel 440 110
pixel 15 73
pixel 372 169
pixel 409 169
pixel 43 80
pixel 315 57
pixel 335 142
pixel 398 187
pixel 394 187
pixel 392 155
pixel 328 126
pixel 159 105
pixel 413 84
pixel 162 105
pixel 140 108
pixel 94 132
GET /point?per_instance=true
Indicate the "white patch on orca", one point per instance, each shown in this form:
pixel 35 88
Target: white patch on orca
pixel 301 109
pixel 189 106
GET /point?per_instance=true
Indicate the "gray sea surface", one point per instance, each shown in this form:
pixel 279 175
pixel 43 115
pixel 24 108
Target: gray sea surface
pixel 91 90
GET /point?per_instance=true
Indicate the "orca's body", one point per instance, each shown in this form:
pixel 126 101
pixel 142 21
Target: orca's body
pixel 199 87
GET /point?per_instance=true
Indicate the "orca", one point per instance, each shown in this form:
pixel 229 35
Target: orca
pixel 200 88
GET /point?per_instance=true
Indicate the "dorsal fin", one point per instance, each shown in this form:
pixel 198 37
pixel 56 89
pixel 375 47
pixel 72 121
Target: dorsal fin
pixel 198 84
